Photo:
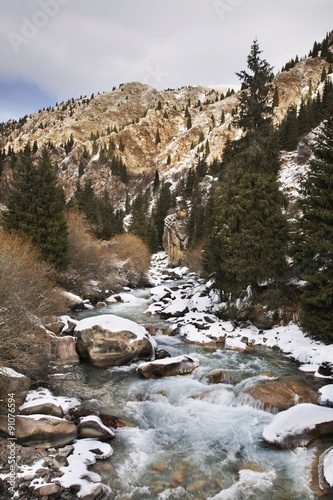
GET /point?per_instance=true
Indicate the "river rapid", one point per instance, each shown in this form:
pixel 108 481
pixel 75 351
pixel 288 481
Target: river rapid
pixel 186 438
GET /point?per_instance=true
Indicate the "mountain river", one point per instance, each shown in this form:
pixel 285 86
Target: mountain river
pixel 189 439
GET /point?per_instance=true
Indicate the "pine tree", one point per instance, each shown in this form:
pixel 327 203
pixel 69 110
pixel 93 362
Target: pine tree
pixel 254 103
pixel 36 208
pixel 157 137
pixel 314 254
pixel 247 242
pixel 156 183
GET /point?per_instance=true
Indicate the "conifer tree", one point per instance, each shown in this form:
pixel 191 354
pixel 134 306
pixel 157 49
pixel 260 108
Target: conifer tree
pixel 314 253
pixel 255 109
pixel 36 208
pixel 247 242
pixel 156 183
pixel 157 137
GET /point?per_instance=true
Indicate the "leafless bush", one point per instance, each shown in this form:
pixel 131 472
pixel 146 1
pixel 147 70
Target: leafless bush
pixel 27 296
pixel 130 255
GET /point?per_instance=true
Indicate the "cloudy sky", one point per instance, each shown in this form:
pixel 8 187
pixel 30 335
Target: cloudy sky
pixel 52 50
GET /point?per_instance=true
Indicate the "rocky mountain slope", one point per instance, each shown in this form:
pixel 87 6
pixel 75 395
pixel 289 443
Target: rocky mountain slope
pixel 149 130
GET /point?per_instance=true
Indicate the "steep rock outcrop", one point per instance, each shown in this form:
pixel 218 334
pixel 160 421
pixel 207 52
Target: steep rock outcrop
pixel 176 235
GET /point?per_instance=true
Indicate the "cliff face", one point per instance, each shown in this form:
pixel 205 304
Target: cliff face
pixel 131 116
pixel 176 235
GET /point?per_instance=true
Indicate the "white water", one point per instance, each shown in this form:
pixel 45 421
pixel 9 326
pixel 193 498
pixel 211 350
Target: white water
pixel 192 440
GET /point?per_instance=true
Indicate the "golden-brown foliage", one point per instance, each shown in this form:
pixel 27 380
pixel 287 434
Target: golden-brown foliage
pixel 122 261
pixel 132 255
pixel 27 295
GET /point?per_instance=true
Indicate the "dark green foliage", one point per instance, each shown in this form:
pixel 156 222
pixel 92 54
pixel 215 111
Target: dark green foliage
pixel 248 239
pixel 163 203
pixel 156 183
pixel 289 130
pixel 197 219
pixel 246 231
pixel 254 109
pixel 314 251
pixel 157 137
pixel 189 122
pixel 98 211
pixel 141 224
pixel 36 207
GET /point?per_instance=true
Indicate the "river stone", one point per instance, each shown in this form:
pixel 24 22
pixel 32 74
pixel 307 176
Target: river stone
pixel 167 367
pixel 323 483
pixel 279 396
pixel 92 427
pixel 46 408
pixel 12 382
pixel 221 377
pixel 66 351
pixel 41 430
pixel 46 490
pixel 105 344
pixel 299 425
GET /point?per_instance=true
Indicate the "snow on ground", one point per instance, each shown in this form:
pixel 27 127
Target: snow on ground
pixel 296 421
pixel 326 395
pixel 85 453
pixel 127 298
pixel 192 304
pixel 113 323
pixel 42 396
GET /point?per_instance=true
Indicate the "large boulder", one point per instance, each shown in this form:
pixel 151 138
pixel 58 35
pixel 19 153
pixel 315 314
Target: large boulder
pixel 108 340
pixel 92 426
pixel 65 351
pixel 14 388
pixel 278 396
pixel 40 431
pixel 167 367
pixel 299 425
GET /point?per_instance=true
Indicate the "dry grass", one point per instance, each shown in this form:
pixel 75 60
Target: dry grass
pixel 27 296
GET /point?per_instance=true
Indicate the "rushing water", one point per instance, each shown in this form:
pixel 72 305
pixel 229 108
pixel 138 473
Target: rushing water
pixel 190 439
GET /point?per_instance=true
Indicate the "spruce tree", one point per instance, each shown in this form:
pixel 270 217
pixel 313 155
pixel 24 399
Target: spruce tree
pixel 36 208
pixel 247 242
pixel 254 108
pixel 314 254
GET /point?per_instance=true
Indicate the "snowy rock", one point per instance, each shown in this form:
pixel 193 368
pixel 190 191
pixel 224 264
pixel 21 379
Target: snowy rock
pixel 326 395
pixel 73 301
pixel 13 382
pixel 66 351
pixel 180 365
pixel 299 425
pixel 93 427
pixel 44 408
pixel 279 396
pixel 41 431
pixel 325 471
pixel 109 340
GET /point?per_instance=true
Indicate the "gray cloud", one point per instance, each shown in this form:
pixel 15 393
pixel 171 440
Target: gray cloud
pixel 73 47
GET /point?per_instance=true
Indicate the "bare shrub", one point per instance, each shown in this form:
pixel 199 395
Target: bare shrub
pixel 194 260
pixel 27 296
pixel 131 256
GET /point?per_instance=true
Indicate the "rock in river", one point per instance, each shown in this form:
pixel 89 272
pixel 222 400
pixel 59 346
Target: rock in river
pixel 180 365
pixel 41 431
pixel 110 340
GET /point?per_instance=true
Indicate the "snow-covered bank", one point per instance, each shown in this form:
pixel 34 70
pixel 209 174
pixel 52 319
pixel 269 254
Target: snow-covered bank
pixel 192 306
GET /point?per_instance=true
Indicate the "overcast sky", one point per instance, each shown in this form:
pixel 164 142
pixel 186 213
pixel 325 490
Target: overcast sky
pixel 52 50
